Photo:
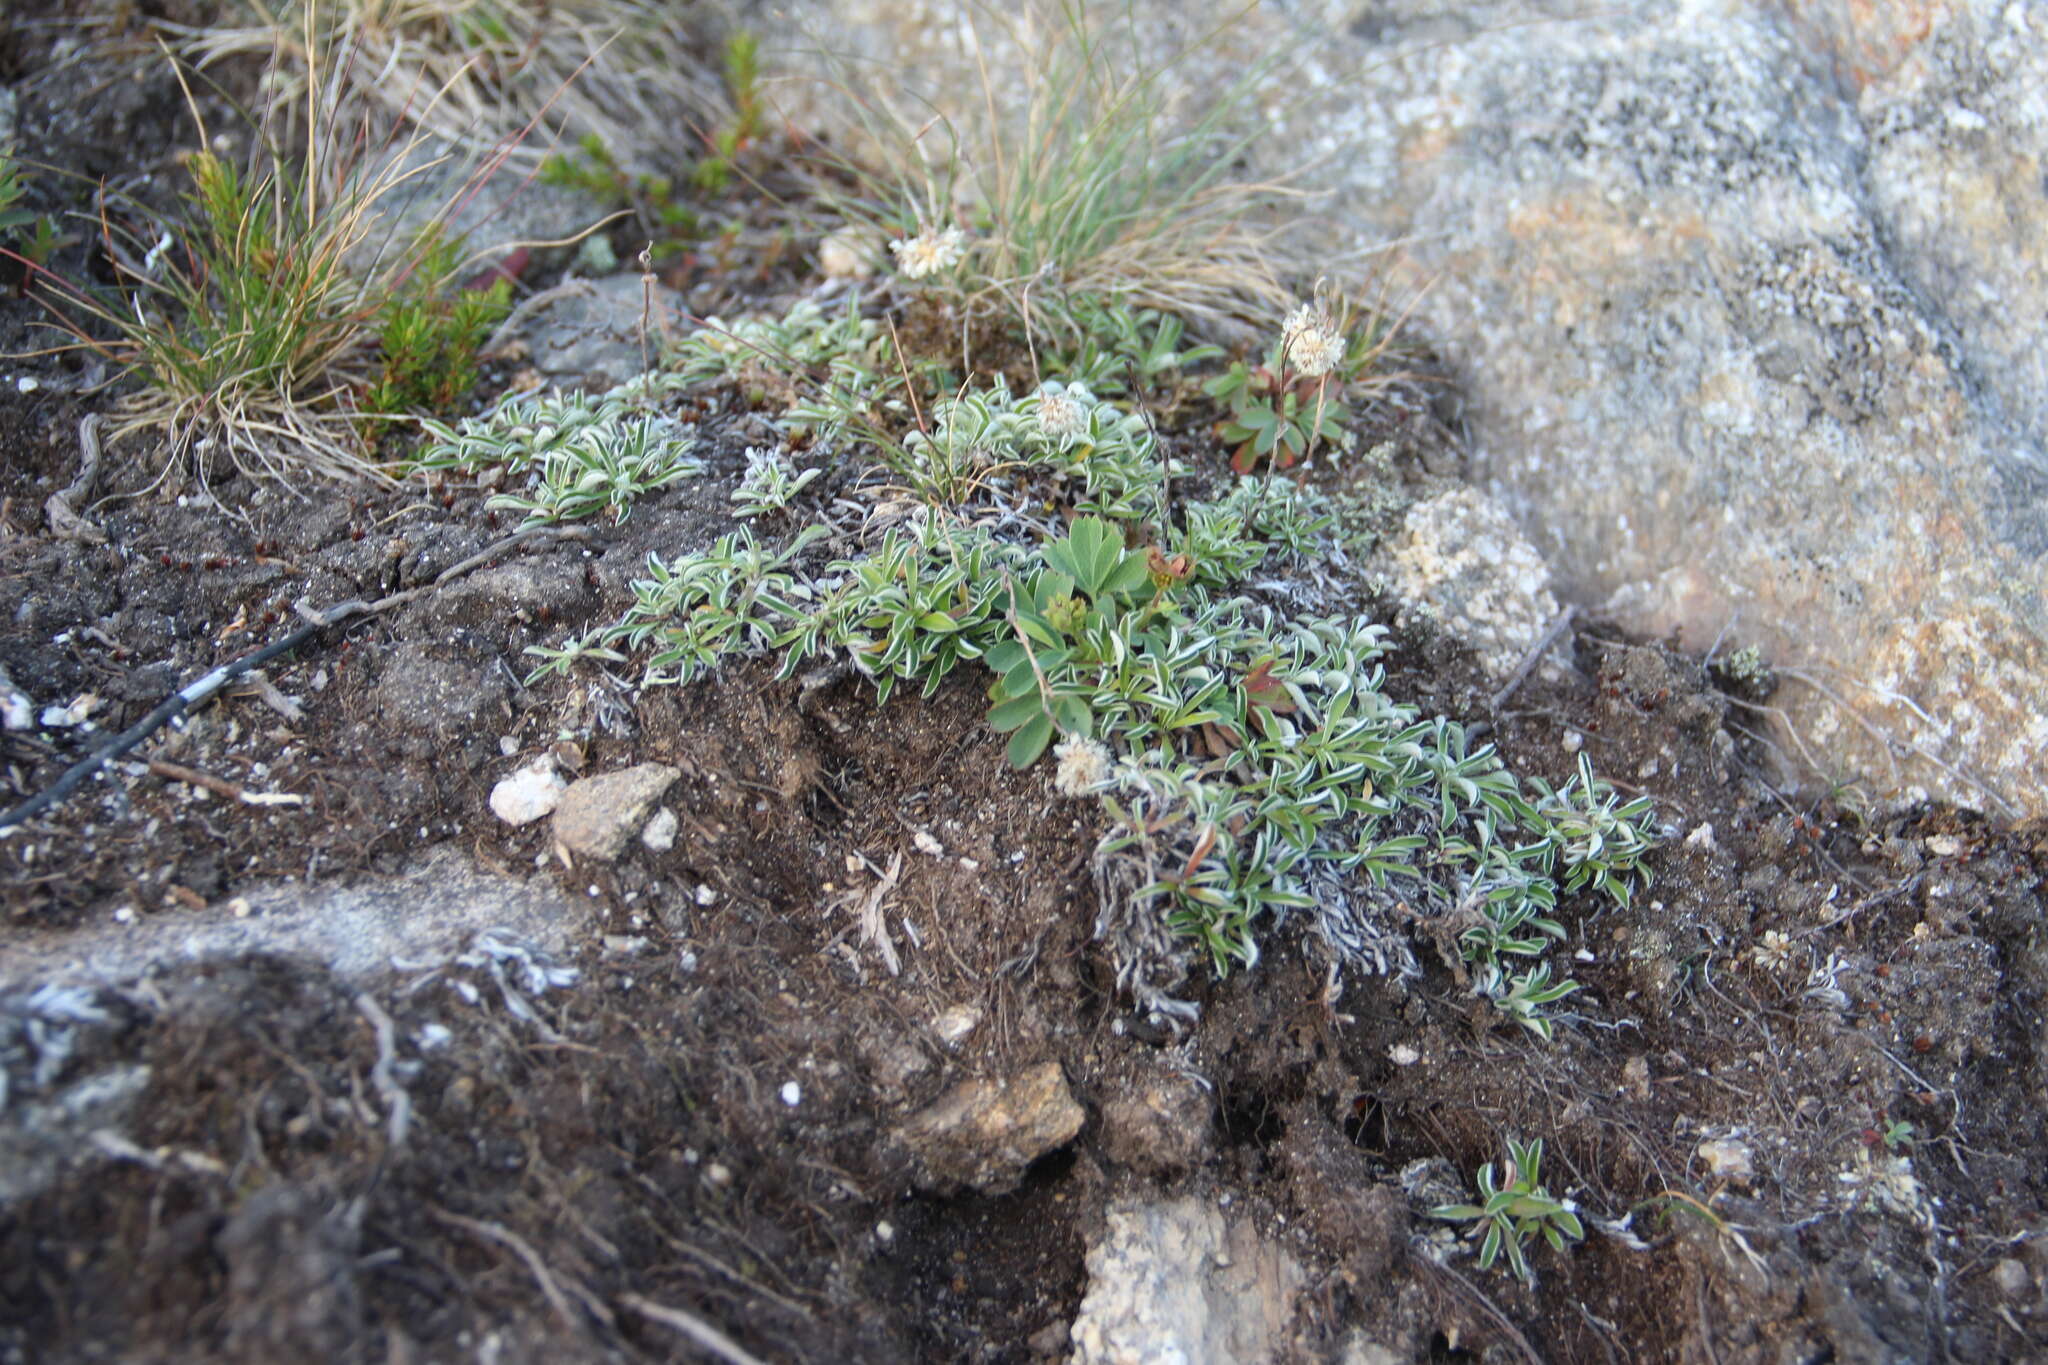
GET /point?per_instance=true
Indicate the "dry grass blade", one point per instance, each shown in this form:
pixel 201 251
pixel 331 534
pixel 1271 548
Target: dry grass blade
pixel 613 69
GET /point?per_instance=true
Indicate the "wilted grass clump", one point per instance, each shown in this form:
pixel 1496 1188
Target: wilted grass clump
pixel 1075 176
pixel 628 73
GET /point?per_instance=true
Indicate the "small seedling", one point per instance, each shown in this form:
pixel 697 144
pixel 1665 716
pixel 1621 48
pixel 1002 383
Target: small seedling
pixel 1119 344
pixel 1516 1212
pixel 1283 410
pixel 431 336
pixel 649 200
pixel 40 242
pixel 743 87
pixel 769 484
pixel 1601 839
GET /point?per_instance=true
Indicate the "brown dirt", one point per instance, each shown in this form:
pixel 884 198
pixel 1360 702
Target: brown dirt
pixel 633 1140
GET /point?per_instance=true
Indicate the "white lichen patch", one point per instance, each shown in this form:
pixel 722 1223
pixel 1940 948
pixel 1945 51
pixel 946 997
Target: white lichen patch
pixel 1462 557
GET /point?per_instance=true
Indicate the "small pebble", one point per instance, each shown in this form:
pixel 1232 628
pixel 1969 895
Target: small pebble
pixel 528 794
pixel 792 1094
pixel 660 834
pixel 240 908
pixel 927 845
pixel 1401 1054
pixel 1573 741
pixel 64 717
pixel 1727 1159
pixel 955 1024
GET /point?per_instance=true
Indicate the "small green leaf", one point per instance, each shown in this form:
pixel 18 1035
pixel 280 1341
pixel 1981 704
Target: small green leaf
pixel 1008 715
pixel 1030 741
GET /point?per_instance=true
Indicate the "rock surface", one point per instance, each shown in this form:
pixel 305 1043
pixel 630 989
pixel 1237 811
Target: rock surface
pixel 1179 1283
pixel 598 815
pixel 436 697
pixel 604 331
pixel 1744 297
pixel 427 914
pixel 983 1132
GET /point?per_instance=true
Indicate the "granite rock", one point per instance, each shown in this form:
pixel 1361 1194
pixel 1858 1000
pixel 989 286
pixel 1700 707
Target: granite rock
pixel 983 1132
pixel 598 815
pixel 1179 1282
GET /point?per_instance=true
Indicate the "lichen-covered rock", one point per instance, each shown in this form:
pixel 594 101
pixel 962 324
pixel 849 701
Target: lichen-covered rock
pixel 983 1132
pixel 1723 387
pixel 1744 297
pixel 1461 556
pixel 1179 1283
pixel 598 815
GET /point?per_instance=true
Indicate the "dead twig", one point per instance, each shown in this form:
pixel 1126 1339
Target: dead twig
pixel 220 786
pixel 701 1334
pixel 1536 652
pixel 523 1249
pixel 65 521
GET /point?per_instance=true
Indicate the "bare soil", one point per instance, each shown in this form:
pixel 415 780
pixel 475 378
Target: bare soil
pixel 632 1142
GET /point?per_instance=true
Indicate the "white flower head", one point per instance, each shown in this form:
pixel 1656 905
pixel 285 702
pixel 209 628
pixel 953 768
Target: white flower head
pixel 929 252
pixel 1775 953
pixel 1310 342
pixel 1063 411
pixel 1083 766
